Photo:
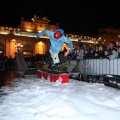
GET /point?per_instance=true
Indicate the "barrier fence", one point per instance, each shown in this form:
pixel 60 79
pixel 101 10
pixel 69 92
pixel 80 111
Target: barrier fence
pixel 99 70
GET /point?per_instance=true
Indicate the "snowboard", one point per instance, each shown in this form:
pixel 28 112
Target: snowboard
pixel 70 67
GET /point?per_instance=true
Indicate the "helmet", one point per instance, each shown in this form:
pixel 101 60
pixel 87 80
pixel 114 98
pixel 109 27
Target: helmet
pixel 57 34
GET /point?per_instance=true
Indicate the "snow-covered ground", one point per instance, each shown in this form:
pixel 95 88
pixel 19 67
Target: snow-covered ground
pixel 39 99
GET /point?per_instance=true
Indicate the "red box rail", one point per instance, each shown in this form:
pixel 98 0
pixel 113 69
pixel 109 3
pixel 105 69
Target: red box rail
pixel 61 77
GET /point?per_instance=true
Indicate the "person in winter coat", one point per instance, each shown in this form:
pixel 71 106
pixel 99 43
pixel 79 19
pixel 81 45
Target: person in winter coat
pixel 80 52
pixel 80 57
pixel 114 54
pixel 119 52
pixel 57 39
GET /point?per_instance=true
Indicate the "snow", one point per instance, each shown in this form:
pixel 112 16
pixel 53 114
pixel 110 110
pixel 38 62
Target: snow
pixel 39 99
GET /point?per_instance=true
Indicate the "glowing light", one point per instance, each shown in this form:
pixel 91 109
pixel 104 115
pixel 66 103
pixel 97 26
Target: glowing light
pixel 18 46
pixel 40 43
pixel 28 30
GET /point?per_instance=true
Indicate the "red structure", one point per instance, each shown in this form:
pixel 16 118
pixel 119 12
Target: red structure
pixel 53 76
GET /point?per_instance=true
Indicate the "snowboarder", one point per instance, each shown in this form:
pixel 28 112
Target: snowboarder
pixel 57 39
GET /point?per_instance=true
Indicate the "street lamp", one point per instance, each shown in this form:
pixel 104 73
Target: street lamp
pixel 19 47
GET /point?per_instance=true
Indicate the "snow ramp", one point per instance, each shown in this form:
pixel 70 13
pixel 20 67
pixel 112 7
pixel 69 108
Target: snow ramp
pixel 22 66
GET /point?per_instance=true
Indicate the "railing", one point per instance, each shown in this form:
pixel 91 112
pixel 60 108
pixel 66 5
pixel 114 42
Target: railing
pixel 100 71
pixel 102 67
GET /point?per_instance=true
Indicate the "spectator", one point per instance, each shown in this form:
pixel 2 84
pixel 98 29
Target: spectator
pixel 65 54
pixel 74 54
pixel 80 52
pixel 96 51
pixel 111 46
pixel 106 54
pixel 119 52
pixel 80 57
pixel 114 54
pixel 101 51
pixel 91 54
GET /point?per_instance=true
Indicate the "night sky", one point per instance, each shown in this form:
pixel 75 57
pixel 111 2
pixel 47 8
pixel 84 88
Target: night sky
pixel 74 16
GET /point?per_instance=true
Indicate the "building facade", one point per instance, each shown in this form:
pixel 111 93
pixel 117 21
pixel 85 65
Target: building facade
pixel 24 38
pixel 109 34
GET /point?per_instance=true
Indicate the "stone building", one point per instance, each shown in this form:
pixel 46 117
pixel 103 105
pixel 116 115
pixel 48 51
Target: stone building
pixel 108 34
pixel 24 37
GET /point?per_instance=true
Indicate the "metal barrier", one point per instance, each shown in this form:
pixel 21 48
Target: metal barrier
pixel 99 70
pixel 102 67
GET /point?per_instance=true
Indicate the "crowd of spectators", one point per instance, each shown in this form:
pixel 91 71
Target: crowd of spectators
pixel 7 63
pixel 94 51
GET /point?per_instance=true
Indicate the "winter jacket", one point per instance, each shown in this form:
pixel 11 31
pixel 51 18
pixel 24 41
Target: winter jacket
pixel 56 44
